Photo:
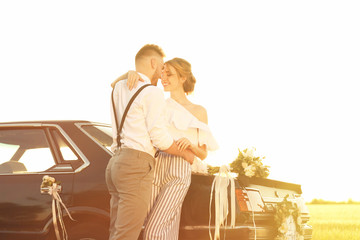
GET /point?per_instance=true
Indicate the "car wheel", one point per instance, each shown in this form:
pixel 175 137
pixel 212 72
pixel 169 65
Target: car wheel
pixel 88 231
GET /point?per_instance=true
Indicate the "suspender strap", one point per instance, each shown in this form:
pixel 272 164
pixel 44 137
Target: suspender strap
pixel 125 112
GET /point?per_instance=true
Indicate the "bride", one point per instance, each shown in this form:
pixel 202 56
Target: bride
pixel 187 123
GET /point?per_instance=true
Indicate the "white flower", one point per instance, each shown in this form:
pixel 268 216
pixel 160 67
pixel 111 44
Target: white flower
pixel 283 228
pixel 248 168
pixel 299 220
pixel 249 174
pixel 199 166
pixel 244 165
pixel 47 178
pixel 249 171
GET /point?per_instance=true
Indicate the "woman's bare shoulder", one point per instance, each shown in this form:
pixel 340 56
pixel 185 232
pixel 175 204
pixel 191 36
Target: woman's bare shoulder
pixel 200 113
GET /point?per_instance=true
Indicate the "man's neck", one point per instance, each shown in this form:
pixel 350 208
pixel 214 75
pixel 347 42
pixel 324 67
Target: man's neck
pixel 144 71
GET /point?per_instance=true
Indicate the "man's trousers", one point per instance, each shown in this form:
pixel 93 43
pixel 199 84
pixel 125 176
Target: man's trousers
pixel 129 176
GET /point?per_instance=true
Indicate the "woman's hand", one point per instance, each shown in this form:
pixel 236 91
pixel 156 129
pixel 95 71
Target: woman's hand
pixel 199 151
pixel 183 143
pixel 133 79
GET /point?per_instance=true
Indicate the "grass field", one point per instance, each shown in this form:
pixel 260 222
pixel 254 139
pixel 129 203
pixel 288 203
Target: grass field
pixel 335 221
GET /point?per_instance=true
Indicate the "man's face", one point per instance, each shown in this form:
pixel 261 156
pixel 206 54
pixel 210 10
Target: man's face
pixel 158 70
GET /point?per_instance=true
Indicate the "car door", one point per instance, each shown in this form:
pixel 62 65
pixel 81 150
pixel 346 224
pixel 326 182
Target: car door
pixel 27 154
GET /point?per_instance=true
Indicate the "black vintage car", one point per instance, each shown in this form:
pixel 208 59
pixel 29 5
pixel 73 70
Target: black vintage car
pixel 76 153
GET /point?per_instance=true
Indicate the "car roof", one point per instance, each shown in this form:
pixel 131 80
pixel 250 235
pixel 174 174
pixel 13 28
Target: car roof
pixel 39 122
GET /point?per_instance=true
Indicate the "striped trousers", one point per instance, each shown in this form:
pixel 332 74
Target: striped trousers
pixel 170 185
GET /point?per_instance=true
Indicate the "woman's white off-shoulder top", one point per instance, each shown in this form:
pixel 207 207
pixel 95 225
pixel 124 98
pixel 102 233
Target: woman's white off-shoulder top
pixel 182 124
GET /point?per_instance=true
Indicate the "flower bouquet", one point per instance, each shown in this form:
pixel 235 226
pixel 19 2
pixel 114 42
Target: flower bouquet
pixel 249 165
pixel 48 185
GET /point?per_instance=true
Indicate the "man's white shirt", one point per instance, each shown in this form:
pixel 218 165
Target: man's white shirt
pixel 145 125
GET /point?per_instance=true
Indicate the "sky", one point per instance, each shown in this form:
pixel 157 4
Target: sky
pixel 280 76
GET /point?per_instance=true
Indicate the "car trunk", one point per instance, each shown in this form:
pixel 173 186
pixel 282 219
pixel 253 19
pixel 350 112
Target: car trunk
pixel 256 200
pixel 271 193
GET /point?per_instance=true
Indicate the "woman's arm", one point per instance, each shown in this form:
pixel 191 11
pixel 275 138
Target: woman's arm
pixel 132 79
pixel 122 77
pixel 199 151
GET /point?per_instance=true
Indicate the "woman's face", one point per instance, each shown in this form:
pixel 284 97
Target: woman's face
pixel 170 79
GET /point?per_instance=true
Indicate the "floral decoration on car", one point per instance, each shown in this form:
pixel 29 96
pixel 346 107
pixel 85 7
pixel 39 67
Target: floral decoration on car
pixel 52 187
pixel 287 219
pixel 47 184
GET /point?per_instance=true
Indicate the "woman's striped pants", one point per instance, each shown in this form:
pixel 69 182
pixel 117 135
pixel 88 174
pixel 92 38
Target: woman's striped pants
pixel 172 177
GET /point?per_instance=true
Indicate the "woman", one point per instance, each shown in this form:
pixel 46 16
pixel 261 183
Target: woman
pixel 187 123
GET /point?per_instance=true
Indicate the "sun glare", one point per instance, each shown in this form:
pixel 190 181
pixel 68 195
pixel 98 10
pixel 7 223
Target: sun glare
pixel 7 151
pixel 37 160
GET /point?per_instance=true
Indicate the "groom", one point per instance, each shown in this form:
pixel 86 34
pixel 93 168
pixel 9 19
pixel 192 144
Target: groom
pixel 129 173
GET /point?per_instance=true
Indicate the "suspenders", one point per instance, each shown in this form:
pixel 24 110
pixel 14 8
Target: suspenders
pixel 119 128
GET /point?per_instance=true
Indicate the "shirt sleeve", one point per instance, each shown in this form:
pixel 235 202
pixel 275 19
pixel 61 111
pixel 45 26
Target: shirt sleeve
pixel 154 110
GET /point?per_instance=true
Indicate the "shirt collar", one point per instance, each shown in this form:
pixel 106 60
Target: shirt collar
pixel 144 77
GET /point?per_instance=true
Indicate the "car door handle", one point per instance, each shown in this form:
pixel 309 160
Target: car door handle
pixel 45 190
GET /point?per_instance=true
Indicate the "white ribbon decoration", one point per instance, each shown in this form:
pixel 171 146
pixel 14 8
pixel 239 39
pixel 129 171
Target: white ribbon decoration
pixel 56 211
pixel 220 184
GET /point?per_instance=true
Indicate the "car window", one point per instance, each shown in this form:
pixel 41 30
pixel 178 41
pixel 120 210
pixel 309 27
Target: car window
pixel 101 134
pixel 24 150
pixel 7 151
pixel 66 152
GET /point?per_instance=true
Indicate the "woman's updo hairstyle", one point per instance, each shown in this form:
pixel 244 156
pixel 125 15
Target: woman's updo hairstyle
pixel 183 69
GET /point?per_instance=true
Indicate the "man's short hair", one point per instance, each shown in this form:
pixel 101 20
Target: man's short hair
pixel 149 50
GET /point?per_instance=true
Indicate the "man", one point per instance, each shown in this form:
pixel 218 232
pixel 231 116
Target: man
pixel 129 173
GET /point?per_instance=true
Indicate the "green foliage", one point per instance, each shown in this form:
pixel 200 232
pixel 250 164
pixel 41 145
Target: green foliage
pixel 213 170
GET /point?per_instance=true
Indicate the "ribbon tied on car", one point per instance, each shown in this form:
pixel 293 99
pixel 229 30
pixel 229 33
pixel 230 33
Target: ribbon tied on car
pixel 50 186
pixel 220 185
